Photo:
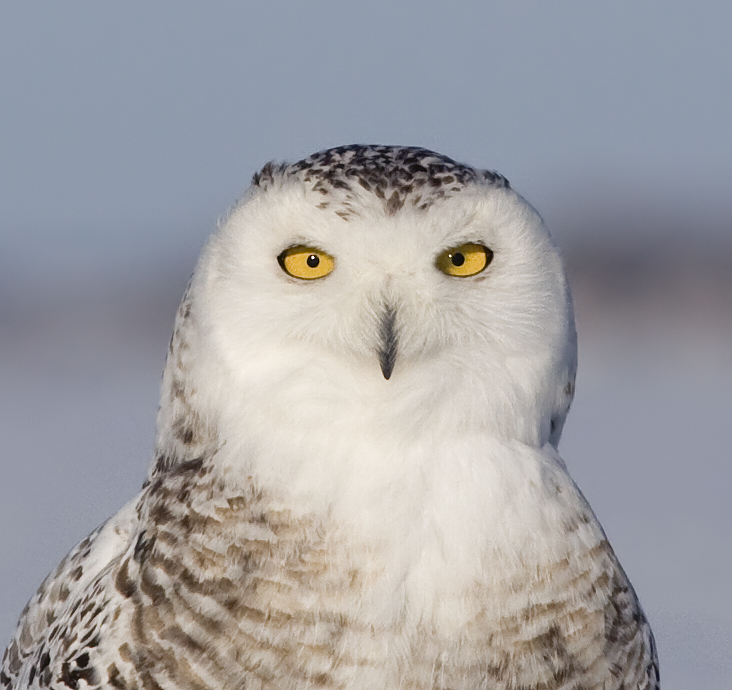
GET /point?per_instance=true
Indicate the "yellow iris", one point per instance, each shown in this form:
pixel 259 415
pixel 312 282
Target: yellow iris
pixel 465 260
pixel 306 263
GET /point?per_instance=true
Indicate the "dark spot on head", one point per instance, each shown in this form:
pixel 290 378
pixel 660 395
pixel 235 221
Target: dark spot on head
pixel 394 203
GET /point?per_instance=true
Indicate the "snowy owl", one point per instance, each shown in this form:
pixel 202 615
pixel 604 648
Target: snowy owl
pixel 356 482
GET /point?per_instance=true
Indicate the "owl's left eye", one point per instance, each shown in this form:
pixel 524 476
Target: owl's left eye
pixel 306 263
pixel 466 260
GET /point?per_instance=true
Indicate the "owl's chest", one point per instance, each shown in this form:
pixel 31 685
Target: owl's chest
pixel 318 601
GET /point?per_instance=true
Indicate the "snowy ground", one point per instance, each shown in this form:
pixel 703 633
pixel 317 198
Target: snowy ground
pixel 647 440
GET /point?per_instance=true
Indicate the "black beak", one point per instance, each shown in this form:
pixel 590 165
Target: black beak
pixel 388 350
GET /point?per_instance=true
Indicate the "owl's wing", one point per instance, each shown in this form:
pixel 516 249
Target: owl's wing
pixel 47 622
pixel 629 644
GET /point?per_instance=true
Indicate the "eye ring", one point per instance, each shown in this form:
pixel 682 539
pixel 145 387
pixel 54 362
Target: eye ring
pixel 465 260
pixel 306 263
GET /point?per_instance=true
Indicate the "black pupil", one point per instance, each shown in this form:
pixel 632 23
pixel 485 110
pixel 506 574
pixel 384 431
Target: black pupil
pixel 313 261
pixel 458 259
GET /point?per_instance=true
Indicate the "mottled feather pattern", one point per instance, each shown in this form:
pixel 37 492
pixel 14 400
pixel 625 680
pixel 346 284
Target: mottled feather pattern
pixel 182 434
pixel 60 630
pixel 219 587
pixel 355 482
pixel 395 175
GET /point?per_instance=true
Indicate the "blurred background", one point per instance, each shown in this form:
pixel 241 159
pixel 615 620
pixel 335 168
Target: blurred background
pixel 126 129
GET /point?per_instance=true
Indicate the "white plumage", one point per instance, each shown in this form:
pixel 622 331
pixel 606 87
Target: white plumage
pixel 356 481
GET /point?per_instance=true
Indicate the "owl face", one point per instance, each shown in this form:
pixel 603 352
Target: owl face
pixel 366 299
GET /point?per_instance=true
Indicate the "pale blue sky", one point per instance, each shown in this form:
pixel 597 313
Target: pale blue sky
pixel 126 128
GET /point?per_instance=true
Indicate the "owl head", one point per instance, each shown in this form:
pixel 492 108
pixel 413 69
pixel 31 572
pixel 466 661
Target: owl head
pixel 377 290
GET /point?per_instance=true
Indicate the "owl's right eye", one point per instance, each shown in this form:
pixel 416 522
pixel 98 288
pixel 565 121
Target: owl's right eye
pixel 306 263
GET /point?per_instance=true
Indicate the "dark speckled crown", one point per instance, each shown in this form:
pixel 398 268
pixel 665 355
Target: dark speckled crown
pixel 395 174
